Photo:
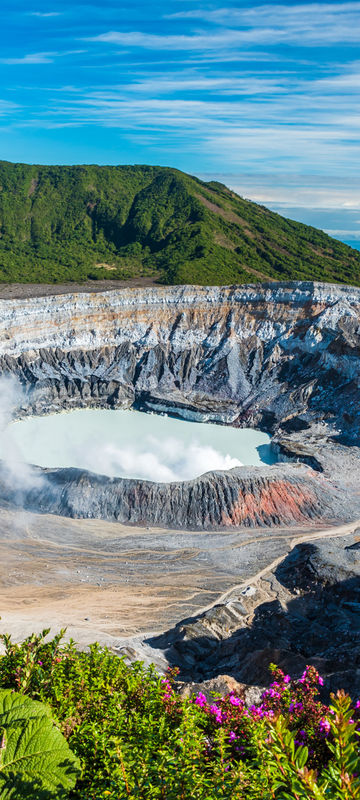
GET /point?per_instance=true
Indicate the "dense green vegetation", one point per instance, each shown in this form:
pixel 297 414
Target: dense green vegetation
pixel 63 223
pixel 135 737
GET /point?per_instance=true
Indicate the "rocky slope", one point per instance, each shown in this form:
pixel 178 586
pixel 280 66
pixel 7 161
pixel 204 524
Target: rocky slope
pixel 284 357
pixel 238 498
pixel 307 611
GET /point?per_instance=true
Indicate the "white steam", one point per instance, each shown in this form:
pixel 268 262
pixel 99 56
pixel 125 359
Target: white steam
pixel 15 472
pixel 164 460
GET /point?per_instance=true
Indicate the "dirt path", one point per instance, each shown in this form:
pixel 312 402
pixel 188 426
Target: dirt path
pixel 330 533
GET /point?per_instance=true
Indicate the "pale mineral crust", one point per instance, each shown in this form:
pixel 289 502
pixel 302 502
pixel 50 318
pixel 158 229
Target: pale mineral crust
pixel 280 356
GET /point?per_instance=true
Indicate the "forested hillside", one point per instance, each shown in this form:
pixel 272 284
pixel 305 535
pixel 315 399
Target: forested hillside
pixel 63 223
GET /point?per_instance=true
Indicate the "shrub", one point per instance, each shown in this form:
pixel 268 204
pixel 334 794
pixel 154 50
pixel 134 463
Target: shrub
pixel 137 738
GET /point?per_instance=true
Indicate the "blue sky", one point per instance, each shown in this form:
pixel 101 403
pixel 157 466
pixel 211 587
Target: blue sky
pixel 263 96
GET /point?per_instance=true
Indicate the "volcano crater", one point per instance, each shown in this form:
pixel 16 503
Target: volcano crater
pixel 280 357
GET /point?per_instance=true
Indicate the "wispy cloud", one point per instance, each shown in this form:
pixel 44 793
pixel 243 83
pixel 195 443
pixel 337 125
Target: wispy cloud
pixel 273 116
pixel 44 13
pixel 31 58
pixel 7 107
pixel 331 193
pixel 190 83
pixel 344 234
pixel 310 23
pixel 153 41
pixel 40 58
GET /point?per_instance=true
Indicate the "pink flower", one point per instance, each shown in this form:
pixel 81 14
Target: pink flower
pixel 287 679
pixel 321 681
pixel 232 736
pixel 324 726
pixel 41 663
pixel 235 701
pixel 214 709
pixel 200 700
pixel 357 704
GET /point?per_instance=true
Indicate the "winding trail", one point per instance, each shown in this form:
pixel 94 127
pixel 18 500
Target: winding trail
pixel 330 533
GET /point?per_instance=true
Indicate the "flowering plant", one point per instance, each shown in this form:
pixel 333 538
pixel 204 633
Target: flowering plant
pixel 137 738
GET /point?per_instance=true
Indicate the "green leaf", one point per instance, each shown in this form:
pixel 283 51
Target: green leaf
pixel 301 756
pixel 36 761
pixel 17 706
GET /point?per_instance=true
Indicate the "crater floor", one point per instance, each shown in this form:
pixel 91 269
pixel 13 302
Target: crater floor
pixel 107 581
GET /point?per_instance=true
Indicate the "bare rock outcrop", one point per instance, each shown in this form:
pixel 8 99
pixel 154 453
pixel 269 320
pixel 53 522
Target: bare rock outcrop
pixel 240 497
pixel 307 612
pixel 282 357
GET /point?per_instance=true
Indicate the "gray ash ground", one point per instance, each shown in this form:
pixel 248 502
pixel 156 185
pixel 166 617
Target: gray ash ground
pixel 305 611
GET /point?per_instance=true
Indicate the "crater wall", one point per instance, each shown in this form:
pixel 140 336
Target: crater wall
pixel 283 357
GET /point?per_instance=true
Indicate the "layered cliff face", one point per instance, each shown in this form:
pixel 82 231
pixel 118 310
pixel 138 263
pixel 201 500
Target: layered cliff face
pixel 284 357
pixel 241 497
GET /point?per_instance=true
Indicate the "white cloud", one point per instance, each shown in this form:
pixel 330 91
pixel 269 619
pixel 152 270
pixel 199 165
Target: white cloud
pixel 258 119
pixel 40 58
pixel 304 24
pixel 264 126
pixel 347 234
pixel 231 84
pixel 44 13
pixel 234 28
pixel 278 190
pixel 154 41
pixel 7 107
pixel 31 58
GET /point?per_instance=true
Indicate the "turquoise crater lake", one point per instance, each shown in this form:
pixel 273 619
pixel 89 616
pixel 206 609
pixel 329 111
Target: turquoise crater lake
pixel 132 444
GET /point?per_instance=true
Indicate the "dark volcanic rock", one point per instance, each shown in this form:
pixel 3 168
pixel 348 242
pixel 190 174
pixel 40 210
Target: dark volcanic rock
pixel 312 616
pixel 284 357
pixel 325 564
pixel 249 497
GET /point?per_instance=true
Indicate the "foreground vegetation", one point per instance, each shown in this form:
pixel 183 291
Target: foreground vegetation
pixel 77 223
pixel 132 736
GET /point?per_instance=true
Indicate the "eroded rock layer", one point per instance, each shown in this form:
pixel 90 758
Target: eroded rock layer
pixel 264 497
pixel 284 357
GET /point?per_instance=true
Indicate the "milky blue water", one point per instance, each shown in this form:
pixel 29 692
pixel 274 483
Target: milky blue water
pixel 136 445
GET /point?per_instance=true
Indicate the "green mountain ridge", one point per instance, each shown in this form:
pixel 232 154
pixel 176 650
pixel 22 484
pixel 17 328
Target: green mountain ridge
pixel 74 223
